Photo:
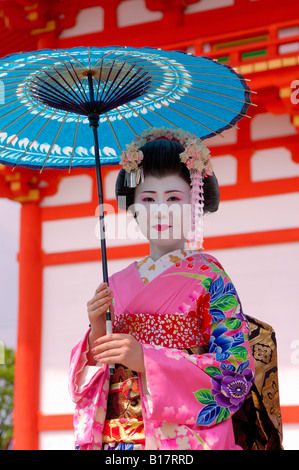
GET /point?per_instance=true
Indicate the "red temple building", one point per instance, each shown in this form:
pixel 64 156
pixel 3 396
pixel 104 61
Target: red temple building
pixel 255 234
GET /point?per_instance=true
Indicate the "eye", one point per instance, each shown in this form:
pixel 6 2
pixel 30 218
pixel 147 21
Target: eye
pixel 148 199
pixel 173 198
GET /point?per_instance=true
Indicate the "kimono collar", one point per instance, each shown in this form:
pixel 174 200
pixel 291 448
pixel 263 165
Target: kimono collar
pixel 148 268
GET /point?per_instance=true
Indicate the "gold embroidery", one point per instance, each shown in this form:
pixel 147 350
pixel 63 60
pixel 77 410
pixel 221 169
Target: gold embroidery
pixel 142 262
pixel 116 430
pixel 174 259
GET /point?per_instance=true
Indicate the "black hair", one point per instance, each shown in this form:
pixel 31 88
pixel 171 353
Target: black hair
pixel 160 159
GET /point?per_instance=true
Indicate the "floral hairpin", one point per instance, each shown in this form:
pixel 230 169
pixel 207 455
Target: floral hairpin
pixel 196 157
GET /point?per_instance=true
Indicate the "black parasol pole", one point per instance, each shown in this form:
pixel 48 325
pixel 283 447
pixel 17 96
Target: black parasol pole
pixel 94 124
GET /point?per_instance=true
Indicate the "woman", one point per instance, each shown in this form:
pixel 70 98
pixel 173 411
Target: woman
pixel 183 364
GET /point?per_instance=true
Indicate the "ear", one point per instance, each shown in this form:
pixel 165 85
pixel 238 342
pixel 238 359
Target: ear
pixel 133 211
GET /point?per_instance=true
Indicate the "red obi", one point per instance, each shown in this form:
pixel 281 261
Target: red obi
pixel 179 331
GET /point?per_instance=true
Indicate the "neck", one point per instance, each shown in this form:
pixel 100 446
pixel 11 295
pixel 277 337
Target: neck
pixel 157 251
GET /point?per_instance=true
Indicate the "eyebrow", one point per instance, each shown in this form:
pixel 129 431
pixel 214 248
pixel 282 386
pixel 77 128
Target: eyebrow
pixel 166 192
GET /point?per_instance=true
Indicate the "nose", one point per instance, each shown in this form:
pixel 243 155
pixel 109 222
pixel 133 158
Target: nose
pixel 160 210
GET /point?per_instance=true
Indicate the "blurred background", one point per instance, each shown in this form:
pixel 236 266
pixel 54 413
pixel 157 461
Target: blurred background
pixel 50 260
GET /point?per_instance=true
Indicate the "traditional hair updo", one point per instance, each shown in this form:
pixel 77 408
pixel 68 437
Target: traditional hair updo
pixel 160 159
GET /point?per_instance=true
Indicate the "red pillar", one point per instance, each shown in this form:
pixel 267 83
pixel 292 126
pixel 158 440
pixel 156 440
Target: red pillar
pixel 27 370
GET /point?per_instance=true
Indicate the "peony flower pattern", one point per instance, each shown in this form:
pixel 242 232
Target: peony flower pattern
pixel 231 377
pixel 230 388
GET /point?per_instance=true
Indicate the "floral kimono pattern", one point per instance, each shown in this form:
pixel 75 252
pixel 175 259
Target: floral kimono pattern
pixel 183 301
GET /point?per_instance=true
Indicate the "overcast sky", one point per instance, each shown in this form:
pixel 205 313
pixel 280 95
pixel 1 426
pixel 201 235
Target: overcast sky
pixel 9 247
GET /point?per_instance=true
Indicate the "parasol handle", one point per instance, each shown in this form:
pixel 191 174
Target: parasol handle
pixel 102 233
pixel 94 124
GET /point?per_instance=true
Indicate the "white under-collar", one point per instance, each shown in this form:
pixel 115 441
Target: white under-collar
pixel 149 269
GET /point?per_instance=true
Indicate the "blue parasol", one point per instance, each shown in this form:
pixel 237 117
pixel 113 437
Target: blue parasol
pixel 51 99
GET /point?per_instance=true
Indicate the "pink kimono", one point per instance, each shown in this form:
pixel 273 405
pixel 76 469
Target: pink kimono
pixel 187 399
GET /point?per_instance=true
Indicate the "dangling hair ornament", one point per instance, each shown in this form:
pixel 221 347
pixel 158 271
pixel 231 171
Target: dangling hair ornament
pixel 196 157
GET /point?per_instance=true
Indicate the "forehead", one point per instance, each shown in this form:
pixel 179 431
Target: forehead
pixel 167 183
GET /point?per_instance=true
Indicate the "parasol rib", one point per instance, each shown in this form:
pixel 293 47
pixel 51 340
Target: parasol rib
pixel 24 69
pixel 206 101
pixel 126 121
pixel 32 142
pixel 125 87
pixel 23 128
pixel 63 96
pixel 198 81
pixel 80 84
pixel 105 83
pixel 72 90
pixel 115 136
pixel 55 58
pixel 137 114
pixel 196 109
pixel 19 117
pixel 103 57
pixel 99 79
pixel 140 89
pixel 210 91
pixel 121 81
pixel 74 142
pixel 72 57
pixel 89 57
pixel 188 72
pixel 111 84
pixel 12 110
pixel 10 103
pixel 50 99
pixel 188 117
pixel 53 143
pixel 49 89
pixel 154 112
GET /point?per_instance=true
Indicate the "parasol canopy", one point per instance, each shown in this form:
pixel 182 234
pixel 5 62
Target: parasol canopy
pixel 51 98
pixel 46 100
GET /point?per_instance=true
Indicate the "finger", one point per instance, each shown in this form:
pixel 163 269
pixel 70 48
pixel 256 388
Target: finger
pixel 113 359
pixel 101 287
pixel 106 294
pixel 108 346
pixel 114 350
pixel 99 302
pixel 111 337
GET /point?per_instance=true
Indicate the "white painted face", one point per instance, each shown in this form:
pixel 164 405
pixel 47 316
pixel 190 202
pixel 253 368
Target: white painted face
pixel 163 209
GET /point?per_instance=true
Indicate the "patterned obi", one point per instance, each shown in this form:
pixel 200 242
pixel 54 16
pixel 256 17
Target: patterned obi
pixel 124 421
pixel 177 331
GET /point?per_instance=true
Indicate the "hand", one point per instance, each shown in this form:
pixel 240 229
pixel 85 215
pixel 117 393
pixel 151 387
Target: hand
pixel 97 307
pixel 119 348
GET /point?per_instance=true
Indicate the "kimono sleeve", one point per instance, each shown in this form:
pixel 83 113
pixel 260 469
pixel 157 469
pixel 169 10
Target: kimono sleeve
pixel 203 389
pixel 89 387
pixel 82 377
